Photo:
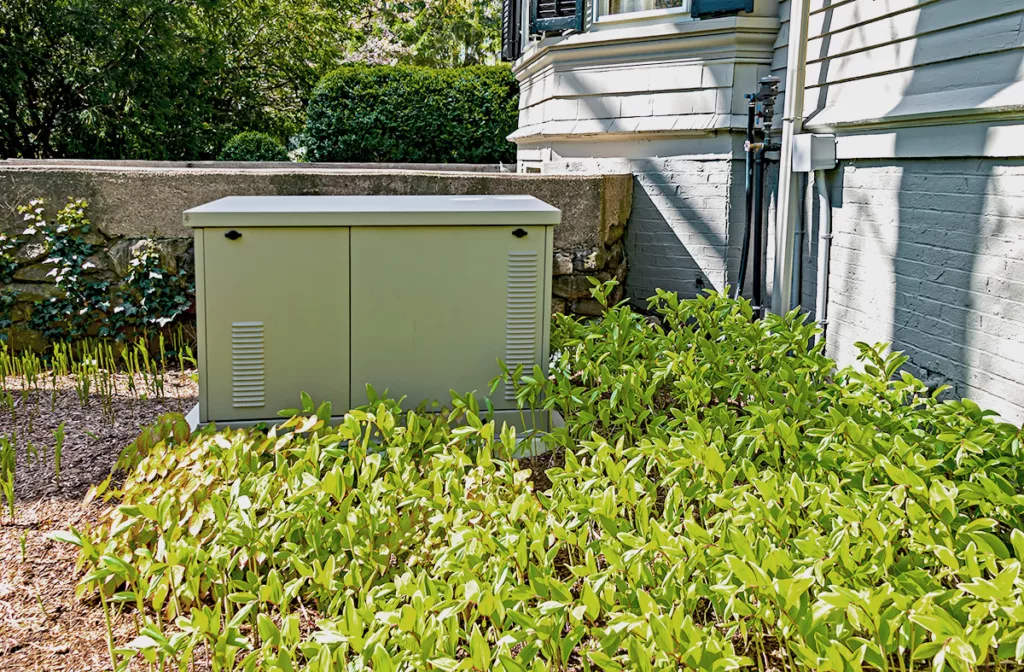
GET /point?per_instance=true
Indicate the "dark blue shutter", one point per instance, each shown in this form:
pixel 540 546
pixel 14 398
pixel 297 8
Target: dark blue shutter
pixel 511 24
pixel 704 9
pixel 551 15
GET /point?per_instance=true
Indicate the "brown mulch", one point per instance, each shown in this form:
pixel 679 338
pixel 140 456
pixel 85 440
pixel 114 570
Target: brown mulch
pixel 43 626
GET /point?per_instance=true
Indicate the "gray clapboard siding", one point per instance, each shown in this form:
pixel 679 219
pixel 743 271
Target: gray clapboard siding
pixel 854 52
pixel 872 61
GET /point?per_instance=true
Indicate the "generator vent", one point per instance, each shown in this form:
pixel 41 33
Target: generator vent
pixel 248 386
pixel 521 325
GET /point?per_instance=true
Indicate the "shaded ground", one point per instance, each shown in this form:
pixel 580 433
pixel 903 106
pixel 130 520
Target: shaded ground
pixel 43 626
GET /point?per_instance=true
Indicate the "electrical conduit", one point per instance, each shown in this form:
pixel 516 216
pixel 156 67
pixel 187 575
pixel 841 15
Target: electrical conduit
pixel 824 250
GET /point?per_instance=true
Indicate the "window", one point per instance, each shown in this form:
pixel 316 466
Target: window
pixel 630 6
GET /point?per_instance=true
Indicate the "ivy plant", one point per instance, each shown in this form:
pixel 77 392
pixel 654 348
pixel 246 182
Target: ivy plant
pixel 9 243
pixel 74 310
pixel 148 296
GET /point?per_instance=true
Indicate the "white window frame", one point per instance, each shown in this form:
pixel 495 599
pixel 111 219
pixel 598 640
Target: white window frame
pixel 600 15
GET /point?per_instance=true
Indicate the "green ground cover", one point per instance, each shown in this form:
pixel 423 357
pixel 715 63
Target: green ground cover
pixel 720 497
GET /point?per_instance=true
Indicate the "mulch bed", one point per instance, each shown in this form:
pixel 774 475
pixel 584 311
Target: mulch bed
pixel 43 626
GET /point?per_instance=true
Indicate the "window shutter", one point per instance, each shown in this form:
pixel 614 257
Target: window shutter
pixel 705 9
pixel 552 15
pixel 511 43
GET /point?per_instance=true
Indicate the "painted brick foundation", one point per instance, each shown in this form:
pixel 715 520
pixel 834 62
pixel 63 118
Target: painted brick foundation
pixel 929 255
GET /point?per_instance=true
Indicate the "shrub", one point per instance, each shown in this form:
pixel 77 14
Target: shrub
pixel 406 114
pixel 253 146
pixel 720 497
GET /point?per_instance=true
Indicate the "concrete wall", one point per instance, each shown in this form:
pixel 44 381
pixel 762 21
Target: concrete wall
pixel 133 202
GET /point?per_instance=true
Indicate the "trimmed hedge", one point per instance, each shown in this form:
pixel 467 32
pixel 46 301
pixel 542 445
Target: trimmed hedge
pixel 253 146
pixel 407 114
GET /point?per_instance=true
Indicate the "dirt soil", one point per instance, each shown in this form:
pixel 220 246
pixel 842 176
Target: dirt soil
pixel 43 625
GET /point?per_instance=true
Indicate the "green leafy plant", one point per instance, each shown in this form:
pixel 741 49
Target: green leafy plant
pixel 58 449
pixel 413 114
pixel 253 146
pixel 720 497
pixel 8 244
pixel 146 300
pixel 149 296
pixel 70 314
pixel 8 469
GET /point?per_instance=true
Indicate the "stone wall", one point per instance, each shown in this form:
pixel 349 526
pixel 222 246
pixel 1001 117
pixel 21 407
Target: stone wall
pixel 130 203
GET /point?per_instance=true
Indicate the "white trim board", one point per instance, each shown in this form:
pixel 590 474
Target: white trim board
pixel 994 139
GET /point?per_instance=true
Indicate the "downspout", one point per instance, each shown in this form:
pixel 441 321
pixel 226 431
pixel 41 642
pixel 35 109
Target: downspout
pixel 824 250
pixel 792 124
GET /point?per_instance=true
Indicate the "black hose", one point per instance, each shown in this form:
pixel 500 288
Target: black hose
pixel 749 195
pixel 758 224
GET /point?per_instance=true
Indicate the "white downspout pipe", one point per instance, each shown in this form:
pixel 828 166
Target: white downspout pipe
pixel 792 124
pixel 824 250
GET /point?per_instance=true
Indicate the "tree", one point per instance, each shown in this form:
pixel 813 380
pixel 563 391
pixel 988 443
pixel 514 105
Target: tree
pixel 160 79
pixel 447 33
pixel 174 79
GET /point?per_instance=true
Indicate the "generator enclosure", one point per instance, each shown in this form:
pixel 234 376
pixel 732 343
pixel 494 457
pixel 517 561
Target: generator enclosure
pixel 416 295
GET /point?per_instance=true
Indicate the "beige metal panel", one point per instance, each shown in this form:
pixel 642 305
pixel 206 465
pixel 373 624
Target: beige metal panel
pixel 200 257
pixel 276 320
pixel 433 309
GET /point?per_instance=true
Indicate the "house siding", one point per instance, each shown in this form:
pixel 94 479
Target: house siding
pixel 872 61
pixel 927 254
pixel 926 99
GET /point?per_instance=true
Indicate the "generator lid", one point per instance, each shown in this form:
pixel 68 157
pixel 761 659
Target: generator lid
pixel 243 211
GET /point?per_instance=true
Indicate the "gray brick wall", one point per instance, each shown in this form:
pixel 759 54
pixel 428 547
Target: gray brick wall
pixel 929 255
pixel 680 229
pixel 684 230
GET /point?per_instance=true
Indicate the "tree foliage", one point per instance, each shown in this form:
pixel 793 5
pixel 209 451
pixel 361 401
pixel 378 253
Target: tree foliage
pixel 444 33
pixel 174 79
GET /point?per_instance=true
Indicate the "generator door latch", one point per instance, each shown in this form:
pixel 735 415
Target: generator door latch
pixel 519 233
pixel 232 235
